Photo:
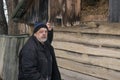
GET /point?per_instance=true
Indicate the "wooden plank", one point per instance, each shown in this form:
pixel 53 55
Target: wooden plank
pixel 86 50
pixel 108 42
pixel 10 66
pixel 104 28
pixel 9 49
pixel 2 51
pixel 100 33
pixel 71 75
pixel 94 71
pixel 104 62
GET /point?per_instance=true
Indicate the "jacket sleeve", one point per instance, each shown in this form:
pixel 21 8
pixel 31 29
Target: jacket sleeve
pixel 50 36
pixel 29 63
pixel 55 71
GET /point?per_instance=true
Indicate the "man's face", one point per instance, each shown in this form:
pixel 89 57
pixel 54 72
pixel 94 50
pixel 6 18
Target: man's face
pixel 41 34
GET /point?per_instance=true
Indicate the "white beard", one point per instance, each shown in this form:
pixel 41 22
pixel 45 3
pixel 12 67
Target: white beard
pixel 42 40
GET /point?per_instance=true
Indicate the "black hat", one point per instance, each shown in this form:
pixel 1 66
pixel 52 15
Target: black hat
pixel 37 26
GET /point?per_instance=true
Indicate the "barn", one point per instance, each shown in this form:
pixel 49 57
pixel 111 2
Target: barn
pixel 88 49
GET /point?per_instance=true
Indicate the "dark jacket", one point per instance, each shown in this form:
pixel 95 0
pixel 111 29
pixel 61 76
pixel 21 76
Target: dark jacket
pixel 37 61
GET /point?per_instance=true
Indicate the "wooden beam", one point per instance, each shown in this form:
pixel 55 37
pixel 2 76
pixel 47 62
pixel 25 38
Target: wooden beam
pixel 71 75
pixel 94 71
pixel 103 62
pixel 77 38
pixel 86 49
pixel 21 8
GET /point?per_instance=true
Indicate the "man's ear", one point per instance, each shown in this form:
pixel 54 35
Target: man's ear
pixel 35 34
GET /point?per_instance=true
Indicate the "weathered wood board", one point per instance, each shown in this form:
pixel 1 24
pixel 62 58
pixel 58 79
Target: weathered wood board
pixel 9 49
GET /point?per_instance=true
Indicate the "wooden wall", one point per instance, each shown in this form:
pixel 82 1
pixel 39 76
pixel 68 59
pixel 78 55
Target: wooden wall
pixel 83 53
pixel 87 53
pixel 9 49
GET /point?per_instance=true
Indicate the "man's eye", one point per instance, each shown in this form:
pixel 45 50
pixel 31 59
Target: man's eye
pixel 41 31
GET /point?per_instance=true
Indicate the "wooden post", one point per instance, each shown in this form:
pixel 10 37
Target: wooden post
pixel 114 10
pixel 48 10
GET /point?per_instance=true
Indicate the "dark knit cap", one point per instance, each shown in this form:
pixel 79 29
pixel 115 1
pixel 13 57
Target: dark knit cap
pixel 37 26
